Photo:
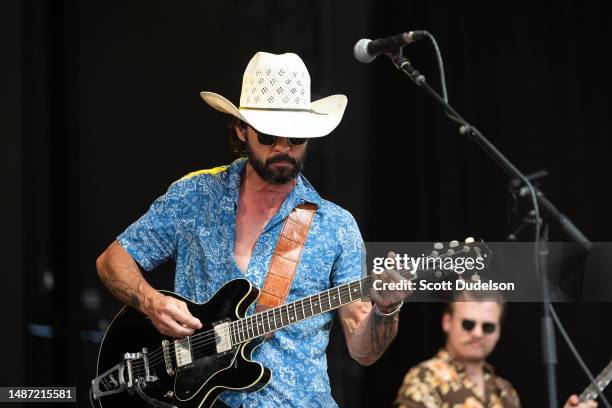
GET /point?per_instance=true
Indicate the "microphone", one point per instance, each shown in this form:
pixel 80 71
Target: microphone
pixel 366 50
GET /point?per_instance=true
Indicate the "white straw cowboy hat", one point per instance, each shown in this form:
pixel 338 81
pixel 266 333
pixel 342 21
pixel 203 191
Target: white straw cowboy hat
pixel 275 99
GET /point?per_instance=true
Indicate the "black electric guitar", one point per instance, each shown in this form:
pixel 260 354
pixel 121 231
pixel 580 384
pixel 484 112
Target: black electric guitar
pixel 139 367
pixel 602 381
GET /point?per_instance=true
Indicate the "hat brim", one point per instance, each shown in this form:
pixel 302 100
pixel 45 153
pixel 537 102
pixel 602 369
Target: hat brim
pixel 325 114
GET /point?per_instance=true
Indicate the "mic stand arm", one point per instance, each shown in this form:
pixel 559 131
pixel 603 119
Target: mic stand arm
pixel 548 337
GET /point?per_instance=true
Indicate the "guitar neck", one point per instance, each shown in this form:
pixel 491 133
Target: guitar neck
pixel 602 381
pixel 276 318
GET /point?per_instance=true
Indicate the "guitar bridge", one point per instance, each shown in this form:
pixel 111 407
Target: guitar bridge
pixel 121 377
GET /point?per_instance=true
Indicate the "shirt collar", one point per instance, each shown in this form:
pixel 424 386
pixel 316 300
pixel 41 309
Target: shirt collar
pixel 447 356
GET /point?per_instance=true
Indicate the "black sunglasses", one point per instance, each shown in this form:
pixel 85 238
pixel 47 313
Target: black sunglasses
pixel 487 327
pixel 269 140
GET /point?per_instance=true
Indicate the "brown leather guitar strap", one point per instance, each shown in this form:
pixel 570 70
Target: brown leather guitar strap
pixel 286 257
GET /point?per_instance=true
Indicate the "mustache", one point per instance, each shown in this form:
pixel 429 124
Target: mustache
pixel 282 158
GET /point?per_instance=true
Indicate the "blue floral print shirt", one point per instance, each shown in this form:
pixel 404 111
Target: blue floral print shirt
pixel 194 223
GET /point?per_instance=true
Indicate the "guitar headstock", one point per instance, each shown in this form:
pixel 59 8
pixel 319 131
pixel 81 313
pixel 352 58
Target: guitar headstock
pixel 467 258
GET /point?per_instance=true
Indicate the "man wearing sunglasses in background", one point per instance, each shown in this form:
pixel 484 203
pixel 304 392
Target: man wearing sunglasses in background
pixel 458 375
pixel 224 223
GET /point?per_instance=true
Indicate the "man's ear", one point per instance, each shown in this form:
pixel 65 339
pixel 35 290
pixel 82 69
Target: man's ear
pixel 241 132
pixel 446 322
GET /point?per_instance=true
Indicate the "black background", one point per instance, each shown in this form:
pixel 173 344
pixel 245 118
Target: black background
pixel 101 112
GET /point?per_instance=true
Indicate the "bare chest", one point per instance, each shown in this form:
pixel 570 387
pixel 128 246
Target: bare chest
pixel 249 225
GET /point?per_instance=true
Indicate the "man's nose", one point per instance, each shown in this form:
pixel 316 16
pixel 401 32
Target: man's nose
pixel 282 145
pixel 477 331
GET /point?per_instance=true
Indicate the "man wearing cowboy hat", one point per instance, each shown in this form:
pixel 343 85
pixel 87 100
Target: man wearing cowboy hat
pixel 224 223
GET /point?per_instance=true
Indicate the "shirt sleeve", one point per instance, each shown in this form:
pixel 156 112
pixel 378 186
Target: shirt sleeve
pixel 351 262
pixel 151 240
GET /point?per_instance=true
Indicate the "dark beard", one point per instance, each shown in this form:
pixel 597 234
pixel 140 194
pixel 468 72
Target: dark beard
pixel 271 174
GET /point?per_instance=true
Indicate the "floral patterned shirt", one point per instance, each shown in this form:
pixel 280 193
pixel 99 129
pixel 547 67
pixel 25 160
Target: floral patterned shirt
pixel 442 382
pixel 194 223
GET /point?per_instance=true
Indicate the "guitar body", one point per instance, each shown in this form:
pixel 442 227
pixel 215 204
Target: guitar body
pixel 197 384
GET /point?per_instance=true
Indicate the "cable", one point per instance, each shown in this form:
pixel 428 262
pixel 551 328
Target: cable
pixel 440 64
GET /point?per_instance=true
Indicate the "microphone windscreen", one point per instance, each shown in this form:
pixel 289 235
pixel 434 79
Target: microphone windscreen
pixel 360 51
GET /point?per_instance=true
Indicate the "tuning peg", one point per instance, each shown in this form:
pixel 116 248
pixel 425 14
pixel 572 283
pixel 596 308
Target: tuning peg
pixel 438 245
pixel 453 244
pixel 470 240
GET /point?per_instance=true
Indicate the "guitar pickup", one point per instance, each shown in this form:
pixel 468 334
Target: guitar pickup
pixel 182 352
pixel 223 339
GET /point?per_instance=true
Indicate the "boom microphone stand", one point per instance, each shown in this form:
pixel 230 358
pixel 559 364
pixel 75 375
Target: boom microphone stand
pixel 541 223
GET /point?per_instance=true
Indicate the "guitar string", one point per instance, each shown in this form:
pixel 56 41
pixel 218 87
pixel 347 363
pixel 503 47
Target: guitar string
pixel 235 328
pixel 251 327
pixel 245 326
pixel 251 322
pixel 287 309
pixel 139 369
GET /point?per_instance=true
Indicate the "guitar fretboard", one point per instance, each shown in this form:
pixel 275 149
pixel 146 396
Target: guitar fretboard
pixel 276 318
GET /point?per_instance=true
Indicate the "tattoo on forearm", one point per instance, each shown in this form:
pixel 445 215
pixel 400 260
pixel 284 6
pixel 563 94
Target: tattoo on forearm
pixel 123 291
pixel 383 332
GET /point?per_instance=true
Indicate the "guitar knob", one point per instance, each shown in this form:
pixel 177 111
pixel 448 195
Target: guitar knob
pixel 438 245
pixel 453 244
pixel 469 240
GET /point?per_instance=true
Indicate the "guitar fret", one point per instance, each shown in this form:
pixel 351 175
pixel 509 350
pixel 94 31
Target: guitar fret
pixel 276 318
pixel 268 320
pixel 354 290
pixel 303 315
pixel 258 325
pixel 347 295
pixel 281 312
pixel 276 325
pixel 251 327
pixel 332 300
pixel 289 309
pixel 328 301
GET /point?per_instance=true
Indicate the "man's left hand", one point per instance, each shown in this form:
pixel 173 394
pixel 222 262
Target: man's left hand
pixel 388 300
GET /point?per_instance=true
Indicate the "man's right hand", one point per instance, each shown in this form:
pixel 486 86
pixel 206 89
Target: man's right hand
pixel 171 317
pixel 121 275
pixel 574 402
